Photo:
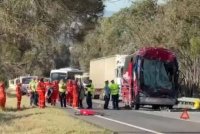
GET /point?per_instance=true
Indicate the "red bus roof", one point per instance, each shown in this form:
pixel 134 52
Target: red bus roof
pixel 154 53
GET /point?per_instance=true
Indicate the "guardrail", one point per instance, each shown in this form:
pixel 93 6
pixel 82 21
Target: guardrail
pixel 189 103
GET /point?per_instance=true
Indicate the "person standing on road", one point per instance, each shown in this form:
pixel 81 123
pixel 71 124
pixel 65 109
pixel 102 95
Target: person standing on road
pixel 55 93
pixel 62 93
pixel 2 95
pixel 75 95
pixel 81 93
pixel 114 88
pixel 48 91
pixel 89 92
pixel 19 95
pixel 41 93
pixel 69 92
pixel 107 95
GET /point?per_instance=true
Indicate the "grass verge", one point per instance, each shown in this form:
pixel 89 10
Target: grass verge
pixel 41 121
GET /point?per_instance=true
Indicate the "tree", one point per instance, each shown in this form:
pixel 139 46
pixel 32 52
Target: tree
pixel 31 31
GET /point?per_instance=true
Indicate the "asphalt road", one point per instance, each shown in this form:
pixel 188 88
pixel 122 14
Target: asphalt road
pixel 142 121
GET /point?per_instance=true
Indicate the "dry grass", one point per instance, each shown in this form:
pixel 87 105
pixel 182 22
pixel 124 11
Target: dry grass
pixel 41 121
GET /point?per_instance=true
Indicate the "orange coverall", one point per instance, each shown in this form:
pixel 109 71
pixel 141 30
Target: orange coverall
pixel 75 95
pixel 19 96
pixel 69 92
pixel 41 93
pixel 2 95
pixel 55 93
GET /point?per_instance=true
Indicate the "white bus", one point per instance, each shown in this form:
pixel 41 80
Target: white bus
pixel 64 73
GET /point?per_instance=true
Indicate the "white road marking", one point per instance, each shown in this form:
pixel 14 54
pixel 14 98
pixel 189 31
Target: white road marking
pixel 123 123
pixel 130 125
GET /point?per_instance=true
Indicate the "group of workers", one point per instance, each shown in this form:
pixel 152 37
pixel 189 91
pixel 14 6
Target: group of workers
pixel 71 92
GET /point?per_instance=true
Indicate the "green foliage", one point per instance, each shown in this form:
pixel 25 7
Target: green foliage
pixel 30 33
pixel 195 46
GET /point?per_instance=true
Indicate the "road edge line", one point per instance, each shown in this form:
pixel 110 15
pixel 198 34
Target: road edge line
pixel 130 125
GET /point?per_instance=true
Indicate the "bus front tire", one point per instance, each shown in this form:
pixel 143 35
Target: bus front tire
pixel 170 107
pixel 136 106
pixel 155 107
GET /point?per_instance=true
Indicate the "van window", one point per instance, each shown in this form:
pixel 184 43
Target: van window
pixel 26 80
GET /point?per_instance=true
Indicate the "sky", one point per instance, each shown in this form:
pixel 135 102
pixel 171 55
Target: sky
pixel 113 6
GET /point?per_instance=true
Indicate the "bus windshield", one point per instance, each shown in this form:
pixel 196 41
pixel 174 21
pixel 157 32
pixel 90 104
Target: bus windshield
pixel 58 76
pixel 71 75
pixel 155 75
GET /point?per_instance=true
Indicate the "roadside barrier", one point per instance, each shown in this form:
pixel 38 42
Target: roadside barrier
pixel 189 103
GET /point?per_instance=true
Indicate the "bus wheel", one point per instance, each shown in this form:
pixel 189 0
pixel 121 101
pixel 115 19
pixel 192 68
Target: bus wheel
pixel 136 106
pixel 137 103
pixel 170 106
pixel 155 107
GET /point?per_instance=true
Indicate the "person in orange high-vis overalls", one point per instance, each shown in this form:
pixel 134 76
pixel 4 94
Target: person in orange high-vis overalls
pixel 41 93
pixel 19 95
pixel 2 96
pixel 69 92
pixel 55 93
pixel 75 95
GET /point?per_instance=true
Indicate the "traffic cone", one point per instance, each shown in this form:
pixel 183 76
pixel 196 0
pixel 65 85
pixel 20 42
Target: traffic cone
pixel 185 115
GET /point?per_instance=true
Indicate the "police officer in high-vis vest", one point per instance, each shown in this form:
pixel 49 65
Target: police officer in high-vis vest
pixel 89 92
pixel 114 88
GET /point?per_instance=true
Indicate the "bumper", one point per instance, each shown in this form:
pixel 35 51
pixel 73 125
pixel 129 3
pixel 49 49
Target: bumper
pixel 157 101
